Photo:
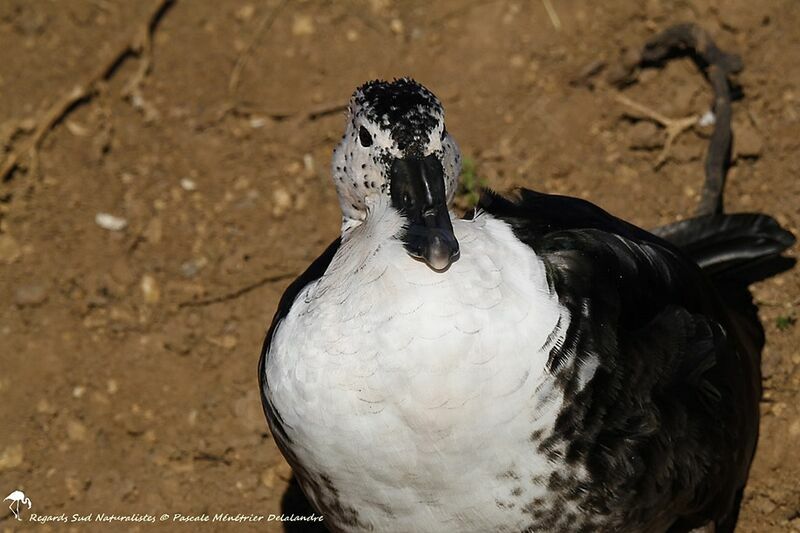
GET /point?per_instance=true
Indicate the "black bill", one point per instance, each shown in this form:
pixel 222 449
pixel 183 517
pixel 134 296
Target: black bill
pixel 418 192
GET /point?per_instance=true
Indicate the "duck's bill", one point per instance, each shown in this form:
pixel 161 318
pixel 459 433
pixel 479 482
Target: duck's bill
pixel 433 241
pixel 418 191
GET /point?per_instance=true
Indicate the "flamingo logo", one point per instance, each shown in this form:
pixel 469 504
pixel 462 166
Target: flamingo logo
pixel 16 498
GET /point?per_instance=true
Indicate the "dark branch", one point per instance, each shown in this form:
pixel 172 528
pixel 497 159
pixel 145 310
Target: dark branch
pixel 717 66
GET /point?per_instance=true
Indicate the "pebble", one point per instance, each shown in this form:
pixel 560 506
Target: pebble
pixel 45 407
pixel 245 13
pixel 30 294
pixel 227 342
pixel 76 431
pixel 74 486
pixel 308 164
pixel 707 119
pixel 257 122
pixel 247 483
pixel 9 249
pixel 281 202
pixel 190 268
pixel 150 290
pixel 188 185
pixel 110 222
pixel 396 25
pixel 153 231
pixel 11 457
pixel 302 25
pixel 268 478
pixel 280 472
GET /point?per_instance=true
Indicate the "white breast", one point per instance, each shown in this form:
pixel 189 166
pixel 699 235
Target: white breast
pixel 416 392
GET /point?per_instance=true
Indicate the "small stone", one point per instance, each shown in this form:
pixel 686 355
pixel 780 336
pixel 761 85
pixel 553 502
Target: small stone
pixel 245 13
pixel 190 268
pixel 110 222
pixel 227 342
pixel 747 142
pixel 269 478
pixel 10 251
pixel 78 391
pixel 78 130
pixel 308 164
pixel 76 431
pixel 281 202
pixel 707 119
pixel 150 290
pixel 302 25
pixel 293 168
pixel 74 486
pixel 396 25
pixel 257 122
pixel 351 35
pixel 153 231
pixel 111 386
pixel 188 185
pixel 28 124
pixel 30 295
pixel 645 136
pixel 11 457
pixel 45 407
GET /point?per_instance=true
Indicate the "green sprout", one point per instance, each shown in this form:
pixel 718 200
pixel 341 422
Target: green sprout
pixel 469 191
pixel 785 322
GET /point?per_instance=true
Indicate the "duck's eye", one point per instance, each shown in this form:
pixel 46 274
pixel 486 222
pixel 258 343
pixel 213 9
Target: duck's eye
pixel 364 137
pixel 408 202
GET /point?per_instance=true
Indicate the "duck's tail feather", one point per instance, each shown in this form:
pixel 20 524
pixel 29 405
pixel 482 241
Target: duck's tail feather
pixel 744 247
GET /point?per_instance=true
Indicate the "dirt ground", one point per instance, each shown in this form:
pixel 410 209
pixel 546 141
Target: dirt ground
pixel 128 381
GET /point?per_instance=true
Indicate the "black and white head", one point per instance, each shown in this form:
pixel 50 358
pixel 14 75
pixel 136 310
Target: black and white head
pixel 396 146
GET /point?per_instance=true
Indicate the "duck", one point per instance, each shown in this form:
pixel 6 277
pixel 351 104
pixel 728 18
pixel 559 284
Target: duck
pixel 536 365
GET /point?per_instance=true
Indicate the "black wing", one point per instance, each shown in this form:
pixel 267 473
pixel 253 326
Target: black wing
pixel 312 273
pixel 667 425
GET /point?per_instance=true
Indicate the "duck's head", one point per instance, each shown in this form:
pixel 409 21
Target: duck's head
pixel 396 146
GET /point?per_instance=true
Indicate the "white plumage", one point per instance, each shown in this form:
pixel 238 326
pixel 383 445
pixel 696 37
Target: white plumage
pixel 436 372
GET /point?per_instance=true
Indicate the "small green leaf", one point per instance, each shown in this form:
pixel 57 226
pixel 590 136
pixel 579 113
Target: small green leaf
pixel 469 189
pixel 785 322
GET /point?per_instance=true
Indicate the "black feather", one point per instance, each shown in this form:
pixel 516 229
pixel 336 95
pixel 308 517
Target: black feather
pixel 667 426
pixel 741 246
